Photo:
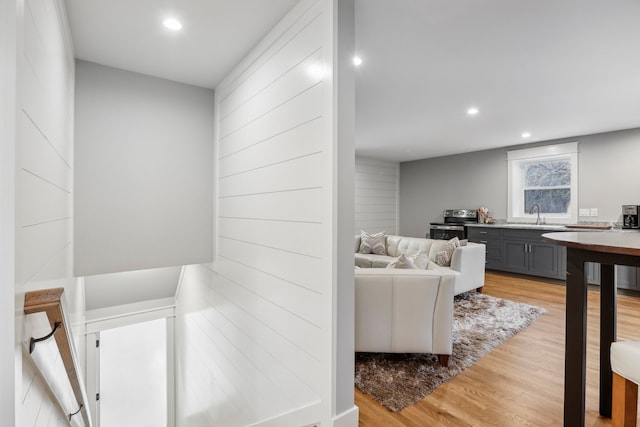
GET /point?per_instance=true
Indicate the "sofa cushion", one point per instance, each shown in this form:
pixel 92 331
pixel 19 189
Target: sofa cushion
pixel 372 260
pixel 398 245
pixel 373 243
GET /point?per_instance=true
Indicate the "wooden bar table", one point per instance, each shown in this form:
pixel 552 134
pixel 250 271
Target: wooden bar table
pixel 609 248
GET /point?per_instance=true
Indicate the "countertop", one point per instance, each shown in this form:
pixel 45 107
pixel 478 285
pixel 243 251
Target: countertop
pixel 607 241
pixel 541 227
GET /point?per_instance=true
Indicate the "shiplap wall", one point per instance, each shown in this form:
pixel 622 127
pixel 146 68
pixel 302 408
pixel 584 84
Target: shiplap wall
pixel 254 329
pixel 44 186
pixel 376 195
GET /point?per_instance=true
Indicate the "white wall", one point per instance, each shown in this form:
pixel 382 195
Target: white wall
pixel 256 332
pixel 144 153
pixel 607 179
pixel 10 355
pixel 376 195
pixel 44 187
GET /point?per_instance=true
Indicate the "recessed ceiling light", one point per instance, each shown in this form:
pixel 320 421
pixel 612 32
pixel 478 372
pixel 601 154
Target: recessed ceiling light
pixel 172 24
pixel 472 111
pixel 357 61
pixel 526 134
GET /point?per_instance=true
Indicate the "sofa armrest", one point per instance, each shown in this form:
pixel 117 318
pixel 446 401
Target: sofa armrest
pixel 405 311
pixel 469 260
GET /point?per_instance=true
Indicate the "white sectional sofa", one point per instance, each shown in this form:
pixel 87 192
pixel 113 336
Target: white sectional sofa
pixel 467 262
pixel 404 311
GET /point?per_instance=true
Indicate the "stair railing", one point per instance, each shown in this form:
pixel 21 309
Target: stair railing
pixel 49 301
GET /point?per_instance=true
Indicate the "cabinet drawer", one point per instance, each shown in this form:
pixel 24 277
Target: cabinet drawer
pixel 481 233
pixel 531 235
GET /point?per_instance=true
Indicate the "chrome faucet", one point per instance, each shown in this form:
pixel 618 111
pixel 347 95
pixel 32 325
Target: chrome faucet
pixel 531 211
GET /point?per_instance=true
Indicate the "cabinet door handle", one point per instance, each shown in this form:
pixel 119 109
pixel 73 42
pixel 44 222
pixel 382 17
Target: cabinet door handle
pixel 484 232
pixel 483 241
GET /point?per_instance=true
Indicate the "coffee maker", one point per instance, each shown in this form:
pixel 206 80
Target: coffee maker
pixel 630 216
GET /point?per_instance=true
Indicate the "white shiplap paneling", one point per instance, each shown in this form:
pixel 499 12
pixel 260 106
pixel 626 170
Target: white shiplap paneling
pixel 44 185
pixel 376 195
pixel 262 315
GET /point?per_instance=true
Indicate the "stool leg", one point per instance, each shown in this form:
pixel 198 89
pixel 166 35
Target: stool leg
pixel 624 409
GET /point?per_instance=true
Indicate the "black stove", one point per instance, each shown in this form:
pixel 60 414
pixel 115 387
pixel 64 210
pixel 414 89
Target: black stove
pixel 454 224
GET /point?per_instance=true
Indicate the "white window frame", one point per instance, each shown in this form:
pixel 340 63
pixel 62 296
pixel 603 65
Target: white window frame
pixel 515 182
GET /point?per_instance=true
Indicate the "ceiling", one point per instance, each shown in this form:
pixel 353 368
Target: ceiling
pixel 554 68
pixel 129 34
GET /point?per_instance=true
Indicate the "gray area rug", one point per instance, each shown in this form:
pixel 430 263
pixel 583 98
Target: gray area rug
pixel 481 322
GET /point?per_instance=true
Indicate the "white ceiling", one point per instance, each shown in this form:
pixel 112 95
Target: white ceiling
pixel 555 68
pixel 128 34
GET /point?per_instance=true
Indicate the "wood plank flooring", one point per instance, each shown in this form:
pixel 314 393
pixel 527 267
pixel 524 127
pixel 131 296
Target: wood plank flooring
pixel 520 383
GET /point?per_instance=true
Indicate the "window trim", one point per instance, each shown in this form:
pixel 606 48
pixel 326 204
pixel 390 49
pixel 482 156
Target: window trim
pixel 515 189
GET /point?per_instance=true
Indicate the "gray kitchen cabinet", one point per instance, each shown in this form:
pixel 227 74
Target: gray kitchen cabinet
pixel 626 277
pixel 520 250
pixel 492 239
pixel 526 252
pixel 593 273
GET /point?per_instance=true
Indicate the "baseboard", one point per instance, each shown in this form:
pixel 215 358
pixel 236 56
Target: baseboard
pixel 304 416
pixel 348 418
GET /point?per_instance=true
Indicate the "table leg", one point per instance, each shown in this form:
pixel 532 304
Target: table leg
pixel 607 334
pixel 575 339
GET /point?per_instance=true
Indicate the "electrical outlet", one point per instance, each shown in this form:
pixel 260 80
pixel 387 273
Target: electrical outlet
pixel 594 211
pixel 584 212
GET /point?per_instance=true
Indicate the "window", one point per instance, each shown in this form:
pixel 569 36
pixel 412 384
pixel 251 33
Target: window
pixel 546 177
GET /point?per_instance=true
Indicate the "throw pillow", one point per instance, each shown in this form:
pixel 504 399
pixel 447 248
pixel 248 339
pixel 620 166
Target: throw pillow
pixel 421 260
pixel 372 243
pixel 443 257
pixel 403 262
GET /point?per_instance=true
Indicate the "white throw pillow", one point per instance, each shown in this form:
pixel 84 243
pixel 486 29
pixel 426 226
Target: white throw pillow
pixel 421 260
pixel 403 262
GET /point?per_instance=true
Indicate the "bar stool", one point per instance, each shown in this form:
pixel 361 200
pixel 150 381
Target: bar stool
pixel 625 358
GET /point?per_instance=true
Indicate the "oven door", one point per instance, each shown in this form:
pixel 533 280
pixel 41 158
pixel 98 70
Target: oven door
pixel 447 232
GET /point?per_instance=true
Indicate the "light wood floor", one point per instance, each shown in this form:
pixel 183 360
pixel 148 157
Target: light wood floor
pixel 520 383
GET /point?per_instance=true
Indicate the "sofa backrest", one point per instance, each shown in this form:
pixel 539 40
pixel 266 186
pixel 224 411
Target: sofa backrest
pixel 398 245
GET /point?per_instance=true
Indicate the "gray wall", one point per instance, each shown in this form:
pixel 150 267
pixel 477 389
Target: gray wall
pixel 607 177
pixel 144 176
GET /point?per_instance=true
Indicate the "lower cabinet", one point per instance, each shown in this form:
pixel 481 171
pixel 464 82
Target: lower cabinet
pixel 625 277
pixel 525 252
pixel 491 238
pixel 520 251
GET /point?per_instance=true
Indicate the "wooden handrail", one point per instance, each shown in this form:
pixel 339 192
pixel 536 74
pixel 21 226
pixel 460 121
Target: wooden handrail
pixel 49 301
